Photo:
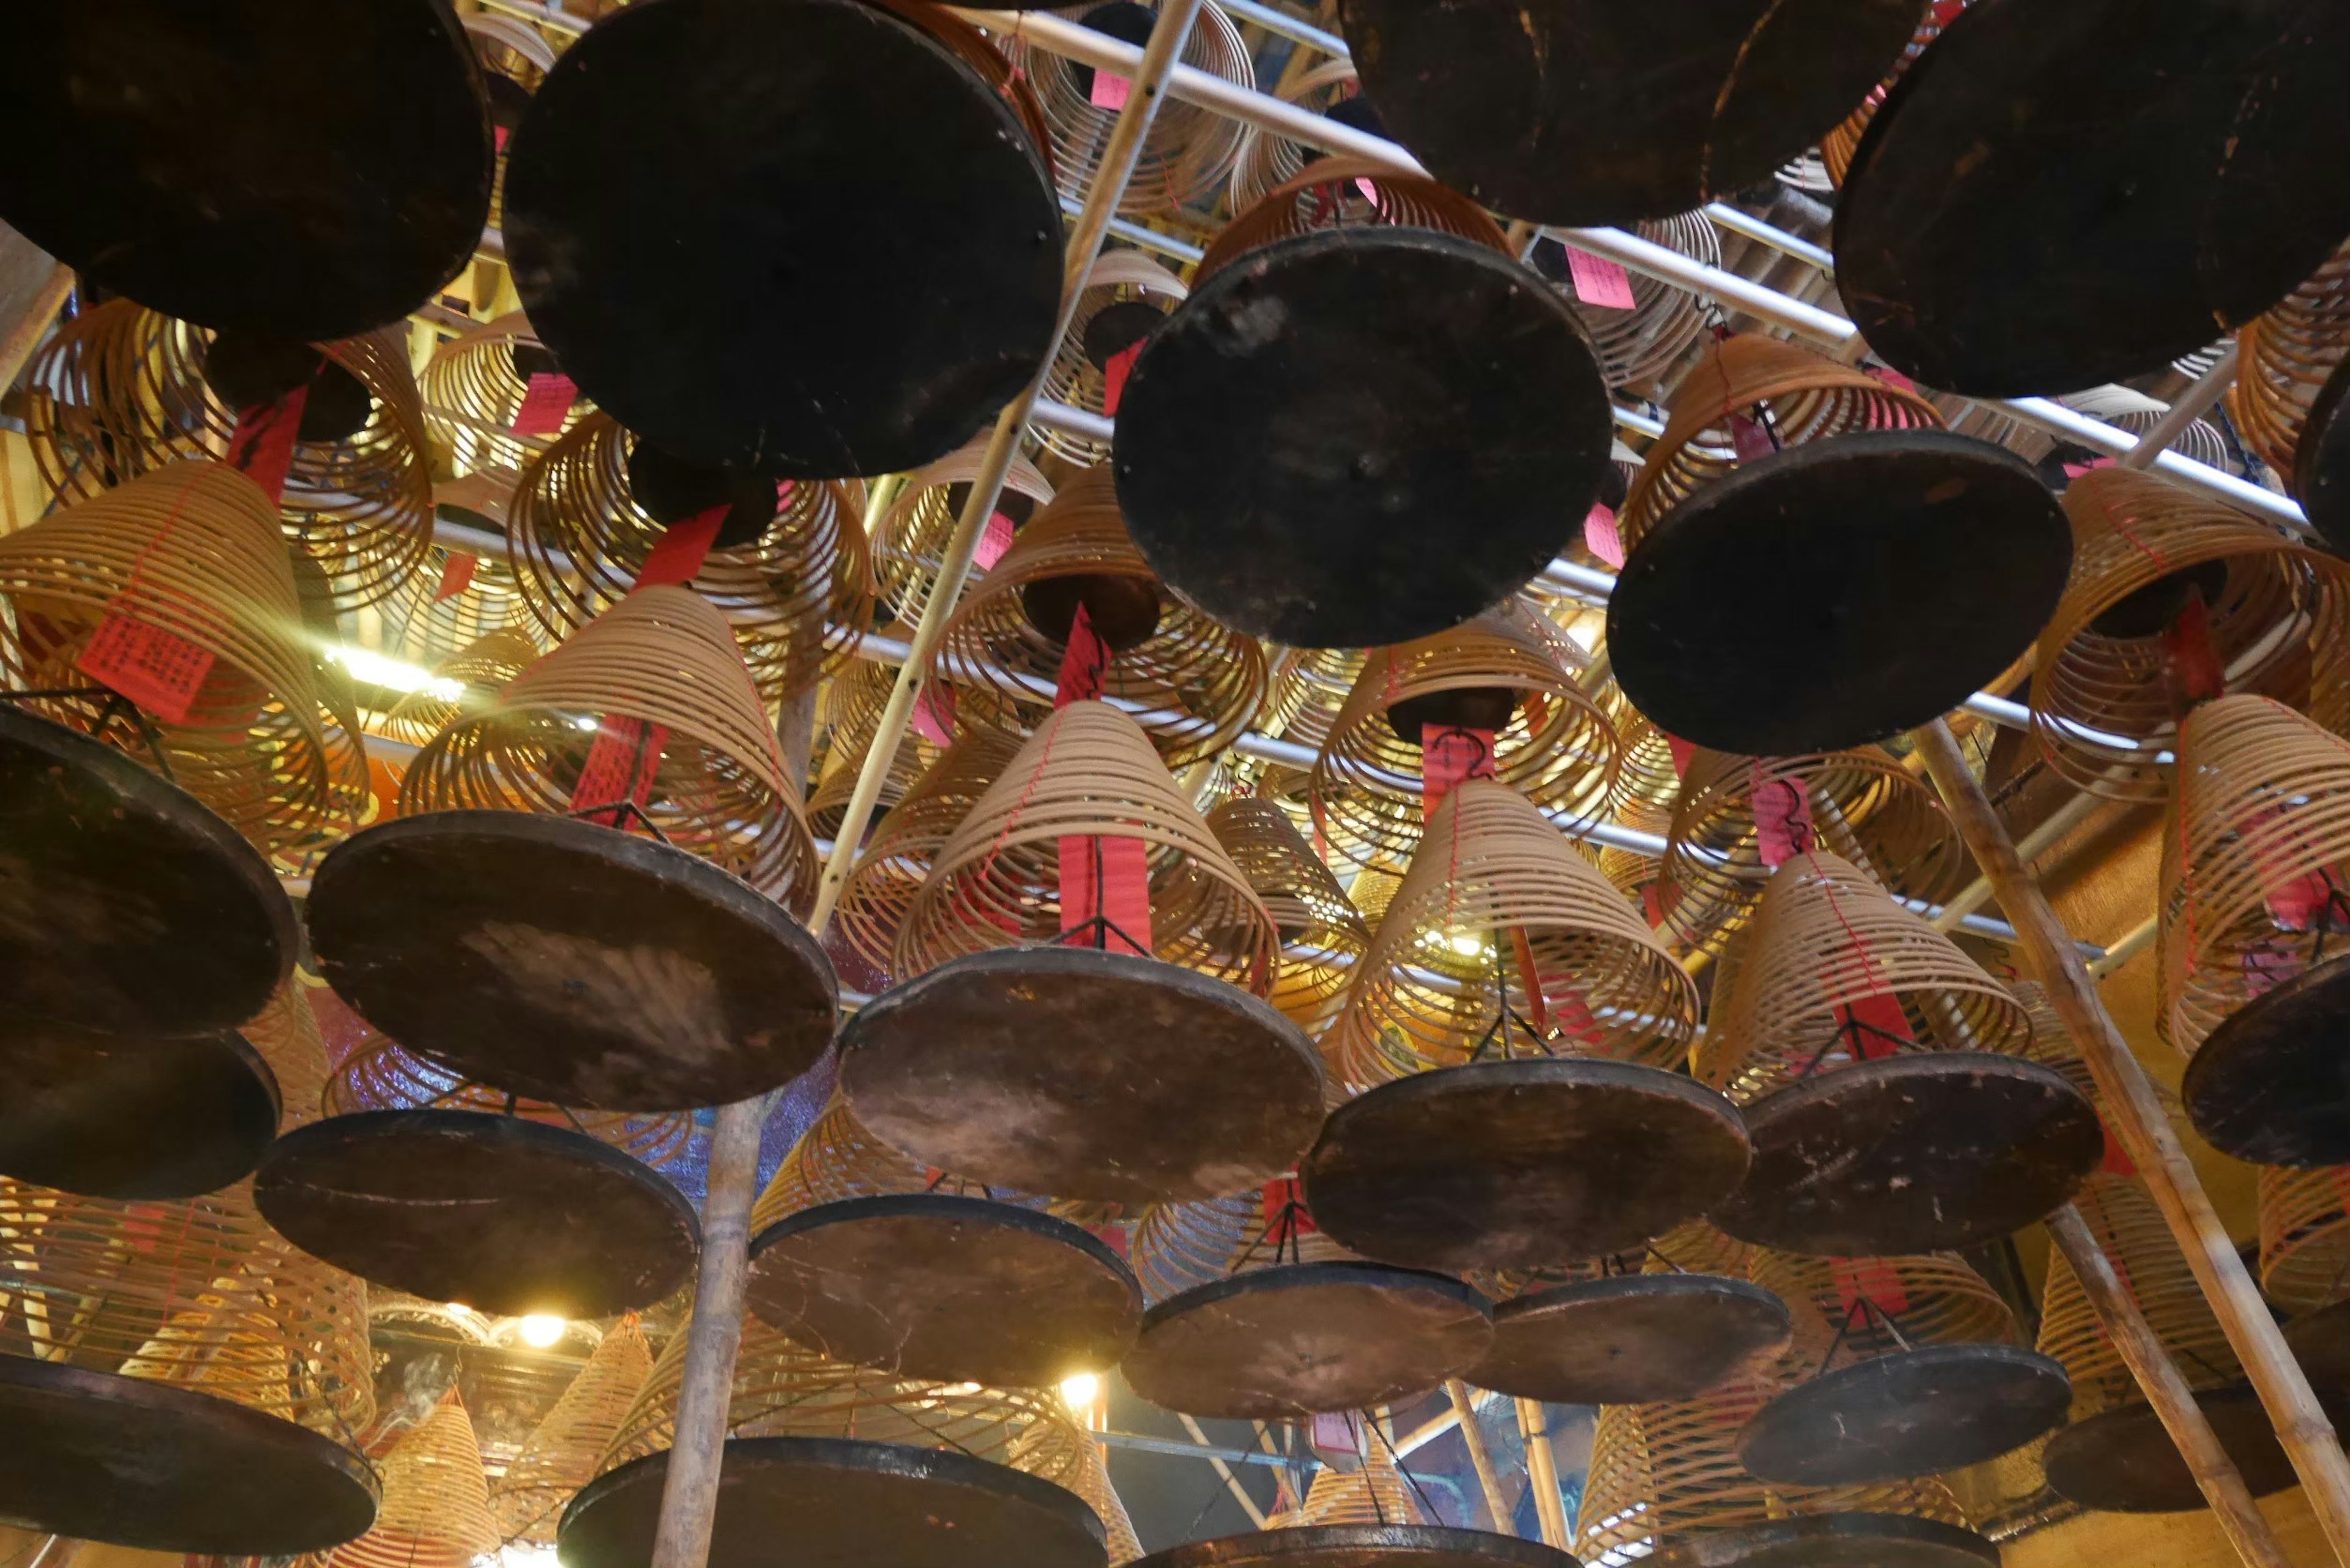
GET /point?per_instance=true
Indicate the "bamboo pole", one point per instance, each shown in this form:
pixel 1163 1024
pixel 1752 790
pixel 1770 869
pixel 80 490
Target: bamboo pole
pixel 2146 1134
pixel 1541 1472
pixel 1481 1456
pixel 1231 1482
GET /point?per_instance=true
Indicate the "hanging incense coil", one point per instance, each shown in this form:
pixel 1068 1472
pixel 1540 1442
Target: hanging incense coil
pixel 1836 148
pixel 515 58
pixel 560 1455
pixel 911 538
pixel 1648 785
pixel 665 657
pixel 2106 688
pixel 119 391
pixel 457 599
pixel 2287 352
pixel 1122 293
pixel 191 549
pixel 474 388
pixel 796 597
pixel 2305 1237
pixel 1266 159
pixel 1374 1493
pixel 466 681
pixel 436 1500
pixel 287 1034
pixel 2138 413
pixel 1639 347
pixel 1328 194
pixel 1092 1484
pixel 853 705
pixel 896 860
pixel 1307 689
pixel 1322 935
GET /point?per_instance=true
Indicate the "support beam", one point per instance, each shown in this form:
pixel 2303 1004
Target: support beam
pixel 1480 1457
pixel 1541 1474
pixel 1231 1482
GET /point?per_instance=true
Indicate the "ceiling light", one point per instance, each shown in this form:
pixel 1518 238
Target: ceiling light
pixel 393 674
pixel 1078 1389
pixel 542 1329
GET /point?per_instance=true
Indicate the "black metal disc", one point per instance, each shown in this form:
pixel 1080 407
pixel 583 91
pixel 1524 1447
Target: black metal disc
pixel 126 904
pixel 1521 1165
pixel 2321 463
pixel 1831 1541
pixel 1576 111
pixel 1083 1074
pixel 570 962
pixel 706 206
pixel 933 1284
pixel 2050 199
pixel 1901 571
pixel 1296 1338
pixel 838 1502
pixel 317 173
pixel 131 1117
pixel 2319 1341
pixel 2123 1461
pixel 101 1456
pixel 506 1215
pixel 2271 1084
pixel 1360 436
pixel 1912 1413
pixel 1632 1339
pixel 1921 1152
pixel 1362 1546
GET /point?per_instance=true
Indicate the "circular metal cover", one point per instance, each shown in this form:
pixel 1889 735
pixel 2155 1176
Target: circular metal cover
pixel 1832 1541
pixel 837 1503
pixel 1912 1413
pixel 2271 1084
pixel 934 1284
pixel 1521 1164
pixel 1898 572
pixel 767 157
pixel 131 1116
pixel 2321 463
pixel 1633 1339
pixel 1362 1546
pixel 506 1215
pixel 570 962
pixel 1360 436
pixel 2123 1461
pixel 1083 1074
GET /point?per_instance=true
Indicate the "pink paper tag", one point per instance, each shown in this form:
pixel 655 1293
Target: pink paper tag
pixel 456 575
pixel 1598 281
pixel 546 405
pixel 993 540
pixel 1870 1280
pixel 1449 755
pixel 1106 880
pixel 1370 192
pixel 1749 438
pixel 160 671
pixel 1332 1432
pixel 1876 1024
pixel 1783 822
pixel 934 713
pixel 1599 535
pixel 498 134
pixel 1110 90
pixel 2075 470
pixel 1681 751
pixel 2265 969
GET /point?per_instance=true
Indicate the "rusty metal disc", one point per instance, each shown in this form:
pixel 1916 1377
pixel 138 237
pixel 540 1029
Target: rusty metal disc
pixel 570 962
pixel 2319 1341
pixel 2271 1084
pixel 134 1116
pixel 506 1215
pixel 838 1502
pixel 1831 1541
pixel 1997 234
pixel 1913 565
pixel 1296 1338
pixel 126 904
pixel 1083 1074
pixel 134 1462
pixel 1298 444
pixel 1913 1413
pixel 934 1284
pixel 1523 1163
pixel 1362 1546
pixel 1632 1339
pixel 1921 1152
pixel 2321 463
pixel 2123 1461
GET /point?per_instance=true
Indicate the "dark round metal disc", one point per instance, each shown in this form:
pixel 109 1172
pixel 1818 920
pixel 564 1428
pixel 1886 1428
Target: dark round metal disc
pixel 316 173
pixel 837 1503
pixel 1901 571
pixel 1916 1153
pixel 1831 1541
pixel 1576 111
pixel 1998 233
pixel 705 209
pixel 1521 1165
pixel 933 1284
pixel 2123 1461
pixel 1362 1546
pixel 1301 447
pixel 506 1215
pixel 1083 1074
pixel 101 1456
pixel 1296 1338
pixel 570 962
pixel 2319 1341
pixel 126 904
pixel 131 1117
pixel 2271 1084
pixel 1632 1339
pixel 2321 463
pixel 1912 1413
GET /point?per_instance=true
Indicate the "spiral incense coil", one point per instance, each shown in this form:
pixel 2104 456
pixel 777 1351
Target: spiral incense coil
pixel 1374 1493
pixel 1329 193
pixel 2104 700
pixel 839 1158
pixel 1092 1484
pixel 473 387
pixel 436 1500
pixel 1187 152
pixel 2286 353
pixel 439 612
pixel 1266 160
pixel 1322 935
pixel 1692 1247
pixel 2305 1236
pixel 1307 689
pixel 896 859
pixel 2138 413
pixel 1638 347
pixel 1088 770
pixel 1194 684
pixel 466 681
pixel 853 705
pixel 1838 145
pixel 2130 1228
pixel 1120 277
pixel 797 597
pixel 287 1034
pixel 515 58
pixel 1793 394
pixel 1863 805
pixel 1857 1309
pixel 1496 895
pixel 665 657
pixel 911 540
pixel 119 391
pixel 1178 1247
pixel 191 549
pixel 560 1455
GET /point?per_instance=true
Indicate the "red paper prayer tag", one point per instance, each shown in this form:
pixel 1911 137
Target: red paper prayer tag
pixel 1871 1280
pixel 1084 664
pixel 1750 438
pixel 160 671
pixel 1106 893
pixel 1530 978
pixel 1575 1020
pixel 934 713
pixel 2075 470
pixel 1598 281
pixel 993 540
pixel 1110 90
pixel 677 556
pixel 1945 10
pixel 2299 904
pixel 620 765
pixel 1682 750
pixel 1114 375
pixel 2194 664
pixel 546 405
pixel 2116 1160
pixel 456 575
pixel 1369 192
pixel 498 134
pixel 1599 535
pixel 1652 904
pixel 1449 754
pixel 1782 821
pixel 262 445
pixel 1284 1210
pixel 1875 1024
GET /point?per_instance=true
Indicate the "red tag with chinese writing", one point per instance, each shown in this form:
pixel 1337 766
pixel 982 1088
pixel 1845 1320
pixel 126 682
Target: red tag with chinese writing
pixel 1875 1024
pixel 993 540
pixel 1450 753
pixel 1750 438
pixel 1106 880
pixel 1335 1436
pixel 1871 1280
pixel 1114 375
pixel 677 556
pixel 546 405
pixel 1599 535
pixel 620 765
pixel 1110 90
pixel 2193 662
pixel 934 713
pixel 160 671
pixel 1782 821
pixel 456 575
pixel 1598 281
pixel 262 445
pixel 1084 663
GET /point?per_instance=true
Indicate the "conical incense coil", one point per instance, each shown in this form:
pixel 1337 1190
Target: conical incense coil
pixel 1838 145
pixel 456 599
pixel 2305 1236
pixel 1266 159
pixel 2118 659
pixel 2287 352
pixel 436 1500
pixel 1178 1247
pixel 515 58
pixel 796 597
pixel 896 859
pixel 853 705
pixel 1322 935
pixel 119 391
pixel 1692 1247
pixel 1376 1491
pixel 1075 378
pixel 2129 1226
pixel 1648 785
pixel 1850 1310
pixel 466 681
pixel 1192 683
pixel 911 540
pixel 1768 393
pixel 1088 772
pixel 1639 347
pixel 1508 672
pixel 1092 1484
pixel 191 549
pixel 1308 687
pixel 474 388
pixel 1348 192
pixel 1835 972
pixel 287 1034
pixel 559 1458
pixel 1861 805
pixel 2138 413
pixel 665 658
pixel 1500 928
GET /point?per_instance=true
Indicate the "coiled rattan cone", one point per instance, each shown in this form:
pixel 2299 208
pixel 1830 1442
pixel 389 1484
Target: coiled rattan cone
pixel 479 671
pixel 1374 1493
pixel 1307 688
pixel 2136 413
pixel 436 1500
pixel 2305 1236
pixel 1266 159
pixel 1850 1310
pixel 1331 193
pixel 896 859
pixel 560 1455
pixel 911 540
pixel 2103 706
pixel 2286 353
pixel 1638 347
pixel 853 704
pixel 1322 936
pixel 1073 379
pixel 473 389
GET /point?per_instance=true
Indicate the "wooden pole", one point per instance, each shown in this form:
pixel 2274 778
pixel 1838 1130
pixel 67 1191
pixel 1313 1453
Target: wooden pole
pixel 2146 1132
pixel 1541 1472
pixel 1479 1455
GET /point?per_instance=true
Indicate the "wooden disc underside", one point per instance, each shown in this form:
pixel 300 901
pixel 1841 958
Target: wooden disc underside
pixel 131 1117
pixel 2271 1084
pixel 2123 1461
pixel 1832 1541
pixel 1632 1339
pixel 1912 1413
pixel 1362 1546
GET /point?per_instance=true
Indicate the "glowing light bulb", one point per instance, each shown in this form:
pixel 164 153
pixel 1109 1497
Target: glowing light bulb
pixel 1468 946
pixel 542 1330
pixel 460 1309
pixel 1078 1389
